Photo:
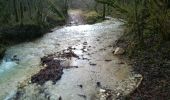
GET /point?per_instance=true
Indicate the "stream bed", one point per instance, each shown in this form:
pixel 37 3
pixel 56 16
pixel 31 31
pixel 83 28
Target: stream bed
pixel 98 69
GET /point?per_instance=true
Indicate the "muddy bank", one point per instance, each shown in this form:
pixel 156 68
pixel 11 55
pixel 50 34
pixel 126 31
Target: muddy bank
pixel 152 61
pixel 12 35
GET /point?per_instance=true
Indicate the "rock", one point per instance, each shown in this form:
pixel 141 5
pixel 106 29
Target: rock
pixel 60 98
pixel 119 51
pixel 108 60
pixel 85 43
pixel 138 76
pixel 98 84
pixel 15 59
pixel 93 64
pixel 102 91
pixel 120 63
pixel 81 86
pixel 82 95
pixel 118 94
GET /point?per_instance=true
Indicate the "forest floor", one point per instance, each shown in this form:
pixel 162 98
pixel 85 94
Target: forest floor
pixel 153 62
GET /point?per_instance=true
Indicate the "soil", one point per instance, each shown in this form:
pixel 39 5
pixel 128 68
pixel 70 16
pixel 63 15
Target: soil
pixel 153 62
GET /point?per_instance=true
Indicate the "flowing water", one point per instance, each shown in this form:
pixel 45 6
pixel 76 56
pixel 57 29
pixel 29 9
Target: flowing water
pixel 97 64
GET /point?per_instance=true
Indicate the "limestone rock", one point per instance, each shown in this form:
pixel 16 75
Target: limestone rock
pixel 119 51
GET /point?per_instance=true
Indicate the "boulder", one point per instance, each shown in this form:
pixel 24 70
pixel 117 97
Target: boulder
pixel 119 51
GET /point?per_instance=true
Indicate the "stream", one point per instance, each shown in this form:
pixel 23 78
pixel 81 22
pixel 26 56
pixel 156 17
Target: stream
pixel 97 64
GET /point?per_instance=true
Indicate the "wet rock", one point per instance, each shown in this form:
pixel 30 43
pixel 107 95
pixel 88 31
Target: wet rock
pixel 69 54
pixel 15 59
pixel 81 86
pixel 110 46
pixel 85 43
pixel 138 76
pixel 119 51
pixel 60 98
pixel 102 49
pixel 98 84
pixel 84 50
pixel 88 54
pixel 121 62
pixel 93 64
pixel 105 94
pixel 82 95
pixel 102 91
pixel 108 60
pixel 67 67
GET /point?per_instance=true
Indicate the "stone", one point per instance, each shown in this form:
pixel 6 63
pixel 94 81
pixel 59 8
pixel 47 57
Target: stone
pixel 98 84
pixel 119 51
pixel 102 91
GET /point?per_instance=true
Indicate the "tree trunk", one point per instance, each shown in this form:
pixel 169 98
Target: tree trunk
pixel 21 14
pixel 15 10
pixel 104 11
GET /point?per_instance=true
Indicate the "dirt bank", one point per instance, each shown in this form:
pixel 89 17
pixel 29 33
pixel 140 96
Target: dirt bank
pixel 153 62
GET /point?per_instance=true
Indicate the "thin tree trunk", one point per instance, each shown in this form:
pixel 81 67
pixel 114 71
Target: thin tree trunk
pixel 22 14
pixel 15 10
pixel 104 11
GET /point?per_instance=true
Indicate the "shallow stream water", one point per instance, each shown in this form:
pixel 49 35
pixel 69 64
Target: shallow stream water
pixel 92 43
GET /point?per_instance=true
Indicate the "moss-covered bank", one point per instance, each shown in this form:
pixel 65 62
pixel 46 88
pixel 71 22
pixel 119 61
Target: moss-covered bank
pixel 15 34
